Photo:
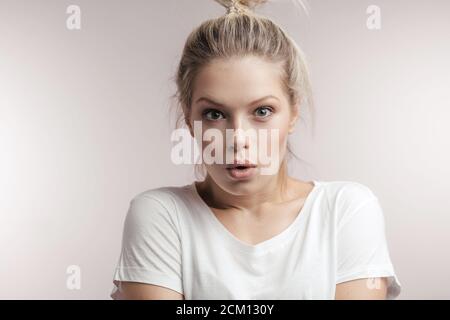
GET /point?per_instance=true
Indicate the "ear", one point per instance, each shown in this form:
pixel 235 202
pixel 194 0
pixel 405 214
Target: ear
pixel 294 118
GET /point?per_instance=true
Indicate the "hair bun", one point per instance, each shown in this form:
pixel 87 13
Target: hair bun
pixel 242 4
pixel 251 3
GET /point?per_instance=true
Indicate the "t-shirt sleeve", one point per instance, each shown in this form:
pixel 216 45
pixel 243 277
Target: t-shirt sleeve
pixel 362 249
pixel 151 248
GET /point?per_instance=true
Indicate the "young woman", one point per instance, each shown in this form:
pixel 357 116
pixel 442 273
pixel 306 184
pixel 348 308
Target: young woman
pixel 241 234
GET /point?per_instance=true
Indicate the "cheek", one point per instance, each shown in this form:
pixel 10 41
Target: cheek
pixel 277 135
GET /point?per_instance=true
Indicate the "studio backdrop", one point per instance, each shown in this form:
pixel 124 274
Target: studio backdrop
pixel 86 116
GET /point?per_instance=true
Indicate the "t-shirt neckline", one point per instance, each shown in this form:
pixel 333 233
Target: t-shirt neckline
pixel 266 245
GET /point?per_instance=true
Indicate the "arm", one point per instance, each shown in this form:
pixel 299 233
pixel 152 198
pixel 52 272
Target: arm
pixel 143 291
pixel 362 289
pixel 363 262
pixel 149 266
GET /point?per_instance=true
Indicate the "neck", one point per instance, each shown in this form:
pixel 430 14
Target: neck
pixel 272 192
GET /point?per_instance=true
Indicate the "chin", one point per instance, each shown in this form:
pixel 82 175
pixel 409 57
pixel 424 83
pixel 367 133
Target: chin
pixel 240 188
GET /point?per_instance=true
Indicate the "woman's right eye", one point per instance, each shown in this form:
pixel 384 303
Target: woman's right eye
pixel 212 114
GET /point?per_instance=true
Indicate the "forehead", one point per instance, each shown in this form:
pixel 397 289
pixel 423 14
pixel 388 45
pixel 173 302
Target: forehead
pixel 239 80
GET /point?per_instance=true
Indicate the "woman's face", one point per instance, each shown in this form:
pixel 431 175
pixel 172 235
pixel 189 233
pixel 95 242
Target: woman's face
pixel 245 95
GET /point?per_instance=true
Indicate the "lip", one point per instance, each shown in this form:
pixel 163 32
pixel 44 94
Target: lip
pixel 242 174
pixel 246 163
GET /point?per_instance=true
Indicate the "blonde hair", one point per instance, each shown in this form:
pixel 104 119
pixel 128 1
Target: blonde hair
pixel 238 33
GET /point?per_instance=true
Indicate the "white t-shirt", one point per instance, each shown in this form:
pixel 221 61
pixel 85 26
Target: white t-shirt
pixel 172 239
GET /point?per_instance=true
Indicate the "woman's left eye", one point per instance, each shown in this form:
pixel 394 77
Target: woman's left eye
pixel 263 112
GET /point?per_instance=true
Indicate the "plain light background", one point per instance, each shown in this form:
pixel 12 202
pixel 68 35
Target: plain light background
pixel 85 126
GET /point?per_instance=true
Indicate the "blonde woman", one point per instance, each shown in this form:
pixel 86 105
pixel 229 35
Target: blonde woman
pixel 241 234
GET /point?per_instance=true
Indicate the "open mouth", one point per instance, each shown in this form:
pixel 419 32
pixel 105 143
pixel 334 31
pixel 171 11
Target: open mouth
pixel 242 171
pixel 242 167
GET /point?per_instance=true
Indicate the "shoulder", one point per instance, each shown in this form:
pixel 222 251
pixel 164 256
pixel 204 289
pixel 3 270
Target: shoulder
pixel 167 197
pixel 346 197
pixel 156 206
pixel 344 191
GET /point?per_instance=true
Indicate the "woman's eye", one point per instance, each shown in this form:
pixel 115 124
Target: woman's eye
pixel 213 114
pixel 263 112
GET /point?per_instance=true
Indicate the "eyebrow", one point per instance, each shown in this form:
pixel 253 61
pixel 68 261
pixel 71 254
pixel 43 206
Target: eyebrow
pixel 222 105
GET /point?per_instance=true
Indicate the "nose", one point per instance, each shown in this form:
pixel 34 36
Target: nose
pixel 239 140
